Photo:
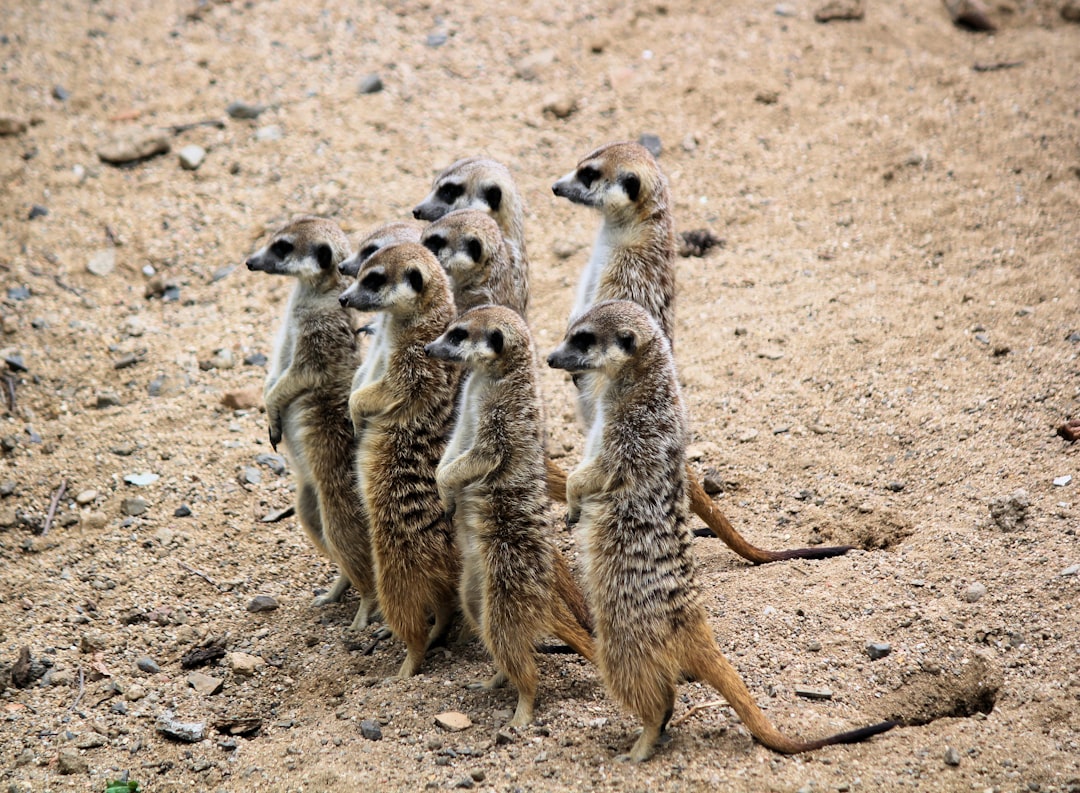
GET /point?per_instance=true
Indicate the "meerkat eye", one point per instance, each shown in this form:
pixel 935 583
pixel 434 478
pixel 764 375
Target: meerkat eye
pixel 373 281
pixel 495 341
pixel 493 197
pixel 627 343
pixel 457 335
pixel 367 251
pixel 282 248
pixel 416 279
pixel 449 192
pixel 582 340
pixel 434 243
pixel 588 175
pixel 632 185
pixel 475 249
pixel 324 256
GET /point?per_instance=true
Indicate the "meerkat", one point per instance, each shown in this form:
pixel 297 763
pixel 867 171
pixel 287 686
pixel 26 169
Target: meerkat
pixel 306 396
pixel 515 585
pixel 406 411
pixel 470 247
pixel 486 185
pixel 628 501
pixel 633 258
pixel 387 234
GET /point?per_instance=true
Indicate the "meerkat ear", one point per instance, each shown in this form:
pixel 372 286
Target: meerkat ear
pixel 495 341
pixel 632 185
pixel 493 196
pixel 627 342
pixel 475 249
pixel 324 256
pixel 416 279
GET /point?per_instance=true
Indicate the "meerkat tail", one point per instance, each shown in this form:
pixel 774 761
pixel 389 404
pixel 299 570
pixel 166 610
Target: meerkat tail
pixel 719 526
pixel 567 591
pixel 556 482
pixel 707 663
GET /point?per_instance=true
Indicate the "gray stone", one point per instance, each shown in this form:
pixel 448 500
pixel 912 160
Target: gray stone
pixel 952 757
pixel 251 476
pixel 69 762
pixel 134 506
pixel 187 732
pixel 813 693
pixel 275 462
pixel 148 665
pixel 1061 481
pixel 191 157
pixel 651 142
pixel 86 497
pixel 244 110
pixel 92 642
pixel 371 730
pixel 878 650
pixel 91 740
pixel 141 480
pixel 370 84
pixel 436 39
pixel 107 399
pixel 712 482
pixel 268 133
pixel 896 487
pixel 839 10
pixel 134 146
pixel 974 592
pixel 204 684
pixel 262 603
pixel 103 262
pixel 1071 570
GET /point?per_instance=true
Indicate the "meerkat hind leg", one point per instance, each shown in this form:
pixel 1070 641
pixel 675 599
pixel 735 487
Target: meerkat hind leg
pixel 340 587
pixel 368 606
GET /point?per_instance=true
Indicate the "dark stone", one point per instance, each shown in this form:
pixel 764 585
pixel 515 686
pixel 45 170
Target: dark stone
pixel 275 462
pixel 878 650
pixel 182 511
pixel 19 293
pixel 61 93
pixel 244 110
pixel 37 211
pixel 436 39
pixel 651 142
pixel 371 84
pixel 148 665
pixel 262 603
pixel 371 730
pixel 255 359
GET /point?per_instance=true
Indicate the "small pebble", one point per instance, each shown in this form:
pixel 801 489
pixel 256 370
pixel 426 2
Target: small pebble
pixel 92 642
pixel 272 132
pixel 86 497
pixel 244 664
pixel 453 721
pixel 134 146
pixel 436 39
pixel 262 603
pixel 371 730
pixel 255 359
pixel 651 142
pixel 204 684
pixel 37 211
pixel 70 762
pixel 182 511
pixel 102 263
pixel 896 487
pixel 10 125
pixel 877 650
pixel 91 740
pixel 813 693
pixel 191 157
pixel 1071 570
pixel 244 110
pixel 187 732
pixel 1061 481
pixel 141 480
pixel 61 93
pixel 148 665
pixel 974 592
pixel 370 84
pixel 952 757
pixel 251 476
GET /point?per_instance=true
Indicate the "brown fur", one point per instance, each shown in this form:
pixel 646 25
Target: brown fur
pixel 471 249
pixel 306 398
pixel 515 585
pixel 628 497
pixel 406 412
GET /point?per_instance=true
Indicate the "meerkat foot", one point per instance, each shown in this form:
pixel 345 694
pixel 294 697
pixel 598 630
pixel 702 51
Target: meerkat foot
pixel 341 585
pixel 643 747
pixel 363 615
pixel 497 680
pixel 523 716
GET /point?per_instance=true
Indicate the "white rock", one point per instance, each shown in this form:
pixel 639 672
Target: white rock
pixel 103 262
pixel 191 157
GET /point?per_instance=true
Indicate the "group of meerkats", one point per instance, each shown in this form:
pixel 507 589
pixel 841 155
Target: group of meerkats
pixel 421 467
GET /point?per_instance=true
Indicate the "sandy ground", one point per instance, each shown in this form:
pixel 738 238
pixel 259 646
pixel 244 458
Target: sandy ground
pixel 883 347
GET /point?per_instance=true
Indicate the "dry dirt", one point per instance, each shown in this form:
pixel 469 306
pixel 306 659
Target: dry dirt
pixel 884 345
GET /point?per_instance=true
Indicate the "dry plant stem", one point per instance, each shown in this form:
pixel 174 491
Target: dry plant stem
pixel 199 573
pixel 715 703
pixel 59 494
pixel 82 689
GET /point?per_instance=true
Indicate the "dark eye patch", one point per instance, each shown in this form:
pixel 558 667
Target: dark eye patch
pixel 434 243
pixel 282 248
pixel 324 256
pixel 416 279
pixel 367 252
pixel 373 281
pixel 495 341
pixel 583 340
pixel 632 185
pixel 588 175
pixel 474 248
pixel 457 335
pixel 493 197
pixel 626 342
pixel 450 192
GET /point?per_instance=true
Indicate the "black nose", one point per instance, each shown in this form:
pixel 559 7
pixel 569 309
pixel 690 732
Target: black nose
pixel 344 301
pixel 416 213
pixel 249 265
pixel 551 360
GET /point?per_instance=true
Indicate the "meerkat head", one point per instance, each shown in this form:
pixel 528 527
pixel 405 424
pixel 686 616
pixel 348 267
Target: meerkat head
pixel 472 183
pixel 606 338
pixel 464 241
pixel 488 338
pixel 399 279
pixel 386 234
pixel 307 247
pixel 619 179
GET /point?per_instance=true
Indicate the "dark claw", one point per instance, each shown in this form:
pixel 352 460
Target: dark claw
pixel 275 438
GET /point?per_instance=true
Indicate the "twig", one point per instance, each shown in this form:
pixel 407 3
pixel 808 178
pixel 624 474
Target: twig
pixel 9 391
pixel 994 67
pixel 59 494
pixel 82 690
pixel 199 573
pixel 213 122
pixel 694 709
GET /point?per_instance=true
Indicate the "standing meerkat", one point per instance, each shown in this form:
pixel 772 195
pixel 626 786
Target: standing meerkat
pixel 407 411
pixel 306 396
pixel 386 234
pixel 470 247
pixel 515 585
pixel 633 258
pixel 628 499
pixel 486 185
